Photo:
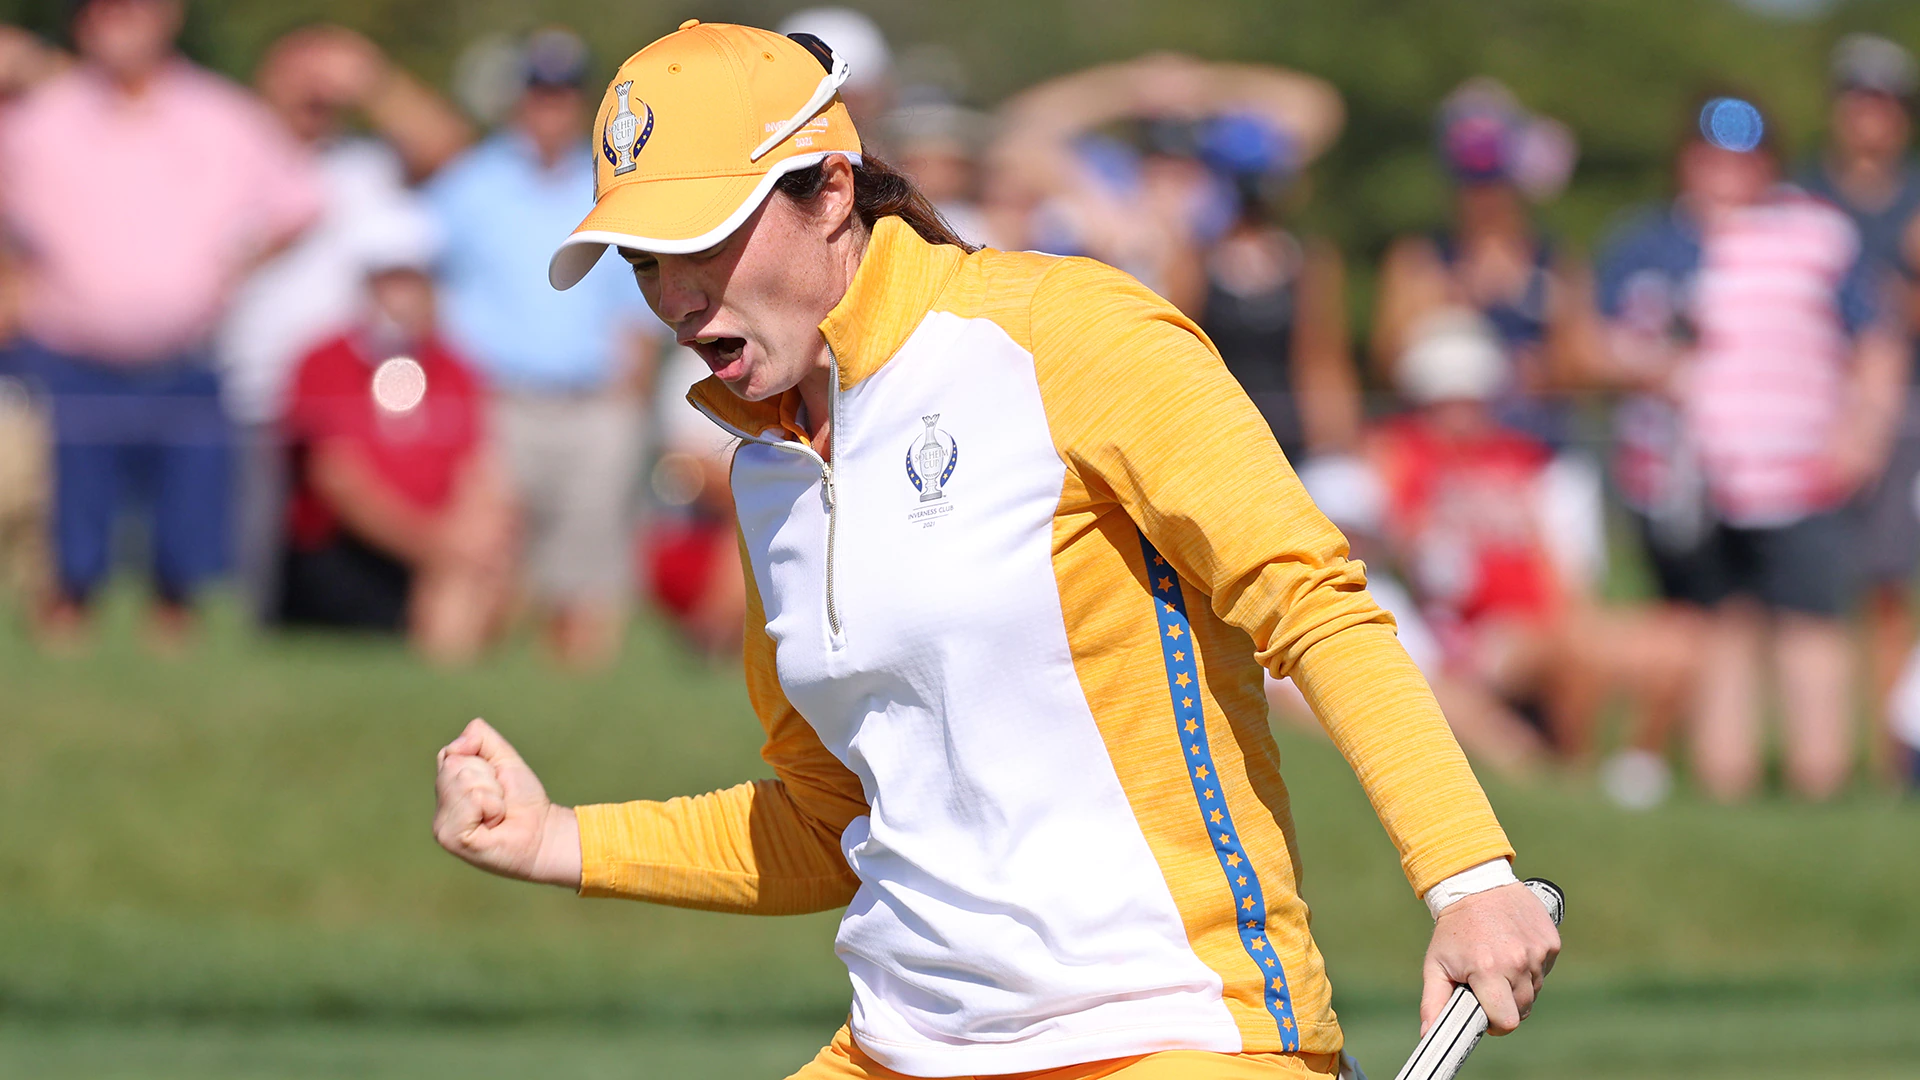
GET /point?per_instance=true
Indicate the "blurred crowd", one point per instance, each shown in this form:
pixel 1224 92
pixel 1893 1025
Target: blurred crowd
pixel 299 336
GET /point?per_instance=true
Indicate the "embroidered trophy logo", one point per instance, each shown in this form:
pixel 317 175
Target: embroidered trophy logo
pixel 930 461
pixel 625 133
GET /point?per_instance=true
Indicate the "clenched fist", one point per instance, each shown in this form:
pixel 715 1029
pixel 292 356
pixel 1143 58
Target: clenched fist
pixel 493 812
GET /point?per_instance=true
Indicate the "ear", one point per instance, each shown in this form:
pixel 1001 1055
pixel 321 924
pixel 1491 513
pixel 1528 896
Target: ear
pixel 834 204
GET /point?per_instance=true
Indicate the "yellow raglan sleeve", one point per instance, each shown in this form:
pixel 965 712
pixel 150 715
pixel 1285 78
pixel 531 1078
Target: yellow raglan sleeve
pixel 1146 415
pixel 769 847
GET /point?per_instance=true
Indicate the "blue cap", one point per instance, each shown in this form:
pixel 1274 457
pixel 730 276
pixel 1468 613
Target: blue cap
pixel 555 58
pixel 1734 124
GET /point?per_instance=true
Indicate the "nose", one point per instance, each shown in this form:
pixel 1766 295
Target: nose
pixel 681 294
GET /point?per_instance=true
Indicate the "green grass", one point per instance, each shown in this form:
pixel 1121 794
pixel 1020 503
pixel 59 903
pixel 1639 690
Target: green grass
pixel 221 867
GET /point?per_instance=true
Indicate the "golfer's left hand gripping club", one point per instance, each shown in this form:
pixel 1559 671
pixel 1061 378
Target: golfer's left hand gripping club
pixel 1462 1023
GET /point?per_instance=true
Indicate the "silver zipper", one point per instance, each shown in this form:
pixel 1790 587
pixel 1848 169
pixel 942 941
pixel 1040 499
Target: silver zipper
pixel 826 471
pixel 826 481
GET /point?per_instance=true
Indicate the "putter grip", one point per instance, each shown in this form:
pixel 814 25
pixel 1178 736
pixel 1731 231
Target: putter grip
pixel 1462 1023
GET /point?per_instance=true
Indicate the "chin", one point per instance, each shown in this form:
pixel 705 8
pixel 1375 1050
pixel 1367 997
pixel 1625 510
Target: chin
pixel 750 388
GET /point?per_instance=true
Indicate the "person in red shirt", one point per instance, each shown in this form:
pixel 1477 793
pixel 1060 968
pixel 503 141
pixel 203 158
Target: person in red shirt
pixel 399 517
pixel 1471 518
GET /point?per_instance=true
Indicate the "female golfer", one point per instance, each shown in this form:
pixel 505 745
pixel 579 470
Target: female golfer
pixel 1017 551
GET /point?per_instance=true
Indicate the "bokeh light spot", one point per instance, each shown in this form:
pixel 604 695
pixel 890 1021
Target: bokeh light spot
pixel 399 384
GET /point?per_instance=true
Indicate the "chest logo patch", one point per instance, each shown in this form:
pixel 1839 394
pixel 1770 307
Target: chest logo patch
pixel 931 460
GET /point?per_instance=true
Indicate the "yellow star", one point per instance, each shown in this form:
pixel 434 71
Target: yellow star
pixel 1280 984
pixel 1247 903
pixel 1181 678
pixel 1285 1021
pixel 1194 749
pixel 1170 609
pixel 1178 655
pixel 1173 631
pixel 1269 961
pixel 1215 817
pixel 1186 703
pixel 1192 725
pixel 1165 583
pixel 1233 861
pixel 1226 838
pixel 1259 943
pixel 1250 924
pixel 1158 561
pixel 1200 773
pixel 1209 795
pixel 1241 881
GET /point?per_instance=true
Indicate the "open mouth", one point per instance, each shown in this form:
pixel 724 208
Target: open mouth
pixel 721 354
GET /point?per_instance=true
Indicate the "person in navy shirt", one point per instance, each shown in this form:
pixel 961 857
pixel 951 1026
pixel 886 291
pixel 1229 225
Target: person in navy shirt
pixel 1868 171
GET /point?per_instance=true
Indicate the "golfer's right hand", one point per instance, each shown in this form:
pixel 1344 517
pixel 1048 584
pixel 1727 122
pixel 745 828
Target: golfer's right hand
pixel 493 812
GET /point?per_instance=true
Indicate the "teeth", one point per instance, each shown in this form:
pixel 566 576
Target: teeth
pixel 705 340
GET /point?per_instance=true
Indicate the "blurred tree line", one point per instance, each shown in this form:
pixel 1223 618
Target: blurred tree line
pixel 1619 72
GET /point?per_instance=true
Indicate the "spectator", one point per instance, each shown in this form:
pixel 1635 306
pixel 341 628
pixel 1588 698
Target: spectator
pixel 570 368
pixel 1647 290
pixel 1149 208
pixel 400 518
pixel 129 242
pixel 317 80
pixel 1494 261
pixel 869 90
pixel 1275 305
pixel 1790 398
pixel 1472 507
pixel 939 145
pixel 1868 172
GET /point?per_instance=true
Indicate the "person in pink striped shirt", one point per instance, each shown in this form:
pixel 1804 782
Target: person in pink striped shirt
pixel 138 190
pixel 1788 398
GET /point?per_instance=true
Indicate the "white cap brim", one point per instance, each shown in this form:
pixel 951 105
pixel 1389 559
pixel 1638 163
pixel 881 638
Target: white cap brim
pixel 579 252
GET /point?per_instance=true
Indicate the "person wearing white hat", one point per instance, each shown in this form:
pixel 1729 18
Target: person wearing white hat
pixel 856 38
pixel 399 519
pixel 1478 519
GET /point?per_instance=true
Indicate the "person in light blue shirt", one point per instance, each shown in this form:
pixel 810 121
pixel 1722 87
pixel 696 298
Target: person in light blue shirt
pixel 569 369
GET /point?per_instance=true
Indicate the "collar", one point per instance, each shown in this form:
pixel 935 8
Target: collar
pixel 165 78
pixel 899 279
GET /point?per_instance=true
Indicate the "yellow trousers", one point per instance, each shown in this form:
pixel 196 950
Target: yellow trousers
pixel 842 1059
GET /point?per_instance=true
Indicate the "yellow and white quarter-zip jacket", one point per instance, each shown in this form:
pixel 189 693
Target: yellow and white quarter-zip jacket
pixel 1007 646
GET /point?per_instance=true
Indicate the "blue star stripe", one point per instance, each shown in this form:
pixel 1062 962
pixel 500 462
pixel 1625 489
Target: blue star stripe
pixel 1249 903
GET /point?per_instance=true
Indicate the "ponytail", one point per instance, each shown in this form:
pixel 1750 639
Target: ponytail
pixel 879 190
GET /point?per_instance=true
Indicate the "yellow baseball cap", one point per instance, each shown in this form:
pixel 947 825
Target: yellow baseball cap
pixel 693 133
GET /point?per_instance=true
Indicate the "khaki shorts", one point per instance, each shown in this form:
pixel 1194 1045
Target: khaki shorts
pixel 575 463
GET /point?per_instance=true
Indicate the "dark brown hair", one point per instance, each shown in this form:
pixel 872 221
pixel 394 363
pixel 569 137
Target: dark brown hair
pixel 879 190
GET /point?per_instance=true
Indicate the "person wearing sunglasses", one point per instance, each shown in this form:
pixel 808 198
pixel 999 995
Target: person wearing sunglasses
pixel 1017 550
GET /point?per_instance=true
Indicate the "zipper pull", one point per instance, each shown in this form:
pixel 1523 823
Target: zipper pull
pixel 826 482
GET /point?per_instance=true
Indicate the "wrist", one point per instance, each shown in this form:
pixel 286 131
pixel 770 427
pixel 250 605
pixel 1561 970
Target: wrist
pixel 1488 875
pixel 557 861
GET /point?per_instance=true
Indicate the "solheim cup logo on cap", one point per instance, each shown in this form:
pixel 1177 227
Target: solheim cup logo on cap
pixel 625 135
pixel 930 463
